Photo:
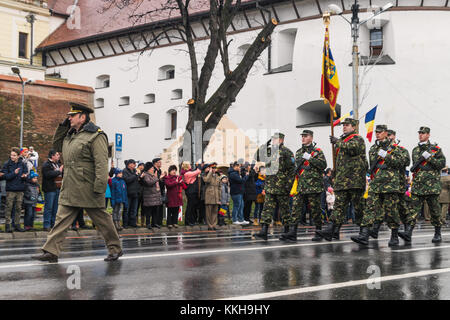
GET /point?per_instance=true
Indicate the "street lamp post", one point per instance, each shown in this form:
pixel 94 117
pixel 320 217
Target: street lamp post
pixel 355 24
pixel 31 18
pixel 16 70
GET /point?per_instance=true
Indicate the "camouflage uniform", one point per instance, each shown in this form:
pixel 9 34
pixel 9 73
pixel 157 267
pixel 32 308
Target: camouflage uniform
pixel 382 201
pixel 279 177
pixel 426 184
pixel 310 183
pixel 350 182
pixel 403 199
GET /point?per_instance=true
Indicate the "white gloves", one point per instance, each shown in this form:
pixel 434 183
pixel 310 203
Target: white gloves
pixel 382 153
pixel 306 156
pixel 426 155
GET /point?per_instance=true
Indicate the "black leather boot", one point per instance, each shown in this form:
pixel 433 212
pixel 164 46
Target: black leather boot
pixel 263 233
pixel 328 233
pixel 406 235
pixel 374 230
pixel 292 234
pixel 437 235
pixel 46 256
pixel 337 232
pixel 8 228
pixel 284 233
pixel 18 228
pixel 113 256
pixel 394 238
pixel 363 237
pixel 317 236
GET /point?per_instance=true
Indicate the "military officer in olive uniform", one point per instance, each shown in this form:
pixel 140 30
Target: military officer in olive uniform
pixel 311 163
pixel 84 148
pixel 350 181
pixel 428 161
pixel 280 166
pixel 386 159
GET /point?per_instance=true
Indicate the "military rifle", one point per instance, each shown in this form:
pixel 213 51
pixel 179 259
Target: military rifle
pixel 421 159
pixel 374 164
pixel 303 160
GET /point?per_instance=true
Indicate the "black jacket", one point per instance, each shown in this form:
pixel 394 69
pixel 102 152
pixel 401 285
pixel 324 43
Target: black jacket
pixel 132 181
pixel 250 186
pixel 49 173
pixel 14 182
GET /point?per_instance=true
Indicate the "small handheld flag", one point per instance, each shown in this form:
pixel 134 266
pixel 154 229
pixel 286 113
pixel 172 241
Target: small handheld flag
pixel 329 88
pixel 347 115
pixel 369 122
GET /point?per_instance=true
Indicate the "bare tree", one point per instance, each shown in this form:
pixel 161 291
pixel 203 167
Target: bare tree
pixel 221 13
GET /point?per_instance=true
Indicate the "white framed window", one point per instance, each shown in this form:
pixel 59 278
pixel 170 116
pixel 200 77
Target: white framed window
pixel 99 103
pixel 166 72
pixel 177 94
pixel 102 81
pixel 124 101
pixel 315 114
pixel 149 98
pixel 171 124
pixel 139 120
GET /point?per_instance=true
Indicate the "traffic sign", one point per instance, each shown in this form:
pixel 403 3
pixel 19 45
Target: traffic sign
pixel 118 142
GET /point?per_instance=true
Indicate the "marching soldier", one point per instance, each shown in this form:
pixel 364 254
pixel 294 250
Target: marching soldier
pixel 386 159
pixel 311 163
pixel 350 182
pixel 84 147
pixel 280 166
pixel 428 161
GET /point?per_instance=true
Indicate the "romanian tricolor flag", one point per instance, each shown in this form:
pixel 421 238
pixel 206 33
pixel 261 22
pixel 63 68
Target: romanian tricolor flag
pixel 369 121
pixel 347 115
pixel 330 83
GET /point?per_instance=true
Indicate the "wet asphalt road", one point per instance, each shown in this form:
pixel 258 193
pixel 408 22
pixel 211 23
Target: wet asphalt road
pixel 232 264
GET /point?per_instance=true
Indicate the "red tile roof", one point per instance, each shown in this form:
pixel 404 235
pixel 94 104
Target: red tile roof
pixel 49 83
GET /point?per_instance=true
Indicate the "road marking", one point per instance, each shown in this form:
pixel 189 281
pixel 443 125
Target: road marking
pixel 339 285
pixel 417 249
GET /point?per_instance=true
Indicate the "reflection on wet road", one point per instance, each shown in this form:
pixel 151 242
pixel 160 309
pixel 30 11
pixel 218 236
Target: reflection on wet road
pixel 232 264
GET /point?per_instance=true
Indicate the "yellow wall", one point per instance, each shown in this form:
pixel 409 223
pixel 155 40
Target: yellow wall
pixel 12 21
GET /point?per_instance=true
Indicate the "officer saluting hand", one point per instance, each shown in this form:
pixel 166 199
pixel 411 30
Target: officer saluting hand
pixel 84 147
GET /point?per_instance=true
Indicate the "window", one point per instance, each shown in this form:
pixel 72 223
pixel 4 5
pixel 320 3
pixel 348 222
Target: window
pixel 166 72
pixel 376 42
pixel 315 114
pixel 171 132
pixel 124 101
pixel 139 120
pixel 23 40
pixel 285 51
pixel 102 82
pixel 149 98
pixel 99 103
pixel 177 94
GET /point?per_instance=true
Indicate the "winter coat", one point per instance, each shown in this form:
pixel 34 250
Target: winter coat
pixel 49 173
pixel 445 192
pixel 310 172
pixel 31 195
pixel 330 200
pixel 14 182
pixel 119 192
pixel 108 191
pixel 151 193
pixel 250 186
pixel 225 193
pixel 85 165
pixel 162 187
pixel 193 188
pixel 175 186
pixel 212 188
pixel 30 165
pixel 259 188
pixel 236 182
pixel 132 181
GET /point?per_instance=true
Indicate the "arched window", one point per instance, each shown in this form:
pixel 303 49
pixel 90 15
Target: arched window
pixel 171 123
pixel 315 114
pixel 139 120
pixel 285 50
pixel 99 103
pixel 166 72
pixel 102 81
pixel 177 94
pixel 149 98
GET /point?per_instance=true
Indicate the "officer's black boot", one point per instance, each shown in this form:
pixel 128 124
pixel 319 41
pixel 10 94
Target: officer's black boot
pixel 437 235
pixel 394 238
pixel 363 237
pixel 328 233
pixel 292 234
pixel 317 236
pixel 337 232
pixel 375 229
pixel 8 228
pixel 18 228
pixel 284 233
pixel 406 235
pixel 263 233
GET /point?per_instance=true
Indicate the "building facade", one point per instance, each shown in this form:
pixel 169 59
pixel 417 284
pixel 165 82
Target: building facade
pixel 144 96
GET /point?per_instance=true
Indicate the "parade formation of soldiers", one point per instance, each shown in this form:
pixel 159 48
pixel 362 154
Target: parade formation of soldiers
pixel 386 199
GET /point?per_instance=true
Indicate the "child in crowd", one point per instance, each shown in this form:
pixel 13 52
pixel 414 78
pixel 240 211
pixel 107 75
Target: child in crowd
pixel 30 199
pixel 224 200
pixel 260 197
pixel 119 197
pixel 330 201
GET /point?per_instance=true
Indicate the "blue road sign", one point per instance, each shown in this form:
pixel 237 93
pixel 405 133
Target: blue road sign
pixel 118 142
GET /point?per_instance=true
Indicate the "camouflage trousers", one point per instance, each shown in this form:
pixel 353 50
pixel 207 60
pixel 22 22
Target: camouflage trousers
pixel 270 204
pixel 343 200
pixel 300 200
pixel 403 207
pixel 380 207
pixel 416 207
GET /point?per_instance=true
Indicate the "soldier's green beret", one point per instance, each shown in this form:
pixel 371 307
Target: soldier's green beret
pixel 79 108
pixel 390 132
pixel 307 132
pixel 351 121
pixel 278 135
pixel 424 130
pixel 381 128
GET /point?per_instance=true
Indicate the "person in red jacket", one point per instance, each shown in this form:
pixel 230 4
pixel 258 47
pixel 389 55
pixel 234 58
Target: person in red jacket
pixel 174 185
